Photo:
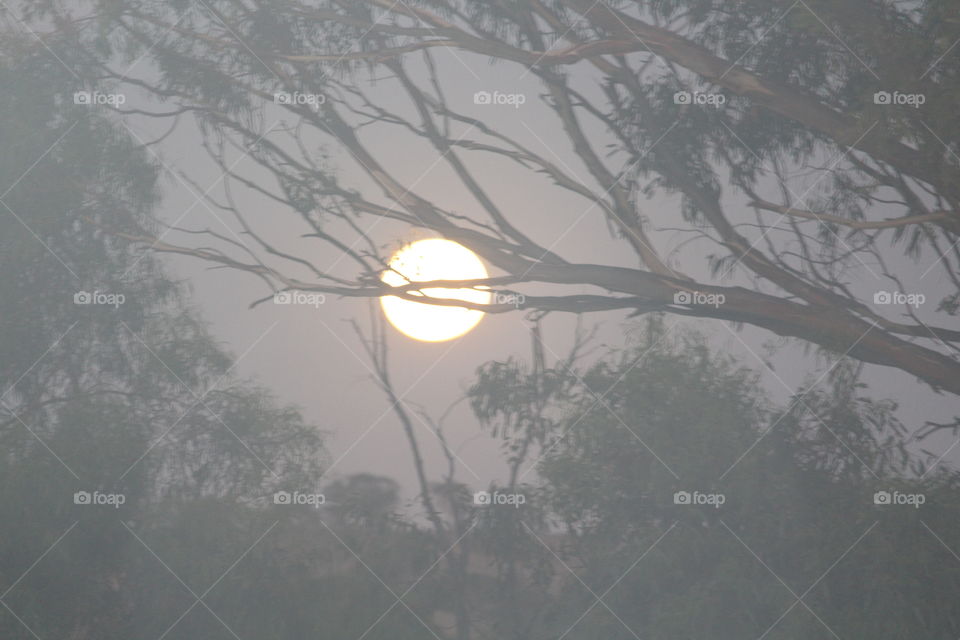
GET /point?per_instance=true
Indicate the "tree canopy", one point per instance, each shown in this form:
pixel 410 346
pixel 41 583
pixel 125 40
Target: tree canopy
pixel 804 168
pixel 761 163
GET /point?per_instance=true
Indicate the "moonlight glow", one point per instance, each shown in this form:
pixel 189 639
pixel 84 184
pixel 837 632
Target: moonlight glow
pixel 434 259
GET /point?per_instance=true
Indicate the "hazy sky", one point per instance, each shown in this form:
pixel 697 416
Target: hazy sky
pixel 311 357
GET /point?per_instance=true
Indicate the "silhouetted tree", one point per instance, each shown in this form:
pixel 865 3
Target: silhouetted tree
pixel 814 161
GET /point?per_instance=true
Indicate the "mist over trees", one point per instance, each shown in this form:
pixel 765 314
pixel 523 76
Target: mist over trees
pixel 810 166
pixel 655 489
pixel 794 546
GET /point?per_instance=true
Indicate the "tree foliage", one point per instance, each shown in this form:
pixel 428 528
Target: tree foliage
pixel 798 520
pixel 806 165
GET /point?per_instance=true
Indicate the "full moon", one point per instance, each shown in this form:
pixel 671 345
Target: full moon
pixel 434 259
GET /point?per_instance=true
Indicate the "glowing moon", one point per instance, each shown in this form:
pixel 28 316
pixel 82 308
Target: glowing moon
pixel 434 259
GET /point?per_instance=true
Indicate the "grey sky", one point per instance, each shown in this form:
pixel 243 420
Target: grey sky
pixel 311 357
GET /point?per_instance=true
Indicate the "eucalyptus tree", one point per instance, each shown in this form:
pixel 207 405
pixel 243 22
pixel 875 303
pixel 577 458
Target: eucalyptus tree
pixel 120 415
pixel 681 501
pixel 801 154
